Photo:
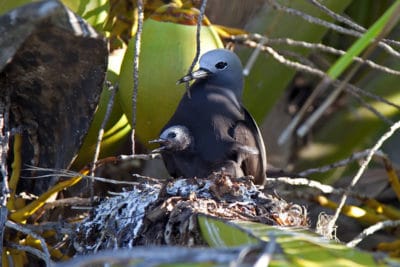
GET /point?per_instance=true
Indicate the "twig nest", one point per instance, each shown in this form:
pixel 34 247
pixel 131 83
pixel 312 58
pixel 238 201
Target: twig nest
pixel 166 212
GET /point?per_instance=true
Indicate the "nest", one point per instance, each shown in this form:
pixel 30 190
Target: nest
pixel 165 212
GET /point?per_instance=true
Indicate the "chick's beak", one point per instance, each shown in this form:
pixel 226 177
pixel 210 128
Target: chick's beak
pixel 198 74
pixel 163 144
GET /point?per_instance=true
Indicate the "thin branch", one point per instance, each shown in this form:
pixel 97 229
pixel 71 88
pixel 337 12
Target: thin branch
pixel 289 63
pixel 297 56
pixel 59 227
pixel 355 90
pixel 326 80
pixel 317 114
pixel 324 188
pixel 366 105
pixel 73 201
pixel 139 156
pixel 244 40
pixel 110 105
pixel 288 131
pixel 347 21
pixel 17 227
pixel 155 255
pixel 333 51
pixel 371 230
pixel 327 189
pixel 330 25
pixel 33 251
pixel 355 156
pixel 253 57
pixel 70 174
pixel 361 170
pixel 337 17
pixel 140 8
pixel 111 181
pixel 148 178
pixel 244 253
pixel 265 258
pixel 198 32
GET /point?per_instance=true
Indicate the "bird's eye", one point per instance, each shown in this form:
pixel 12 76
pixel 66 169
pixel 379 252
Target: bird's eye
pixel 172 135
pixel 221 65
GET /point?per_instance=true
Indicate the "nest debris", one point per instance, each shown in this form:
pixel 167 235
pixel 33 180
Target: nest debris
pixel 166 213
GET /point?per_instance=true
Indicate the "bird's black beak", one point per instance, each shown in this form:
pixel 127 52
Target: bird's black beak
pixel 198 74
pixel 163 145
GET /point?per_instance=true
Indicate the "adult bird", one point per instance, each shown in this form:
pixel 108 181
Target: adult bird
pixel 211 130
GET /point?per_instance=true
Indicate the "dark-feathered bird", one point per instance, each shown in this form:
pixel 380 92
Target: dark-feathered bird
pixel 211 130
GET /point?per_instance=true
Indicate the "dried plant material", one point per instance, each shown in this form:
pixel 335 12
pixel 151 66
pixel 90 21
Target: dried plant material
pixel 166 213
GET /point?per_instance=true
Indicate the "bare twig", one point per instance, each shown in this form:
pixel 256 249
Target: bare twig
pixel 355 156
pixel 373 110
pixel 33 251
pixel 337 17
pixel 138 36
pixel 156 256
pixel 59 227
pixel 324 188
pixel 139 156
pixel 347 21
pixel 253 57
pixel 297 56
pixel 331 50
pixel 371 230
pixel 69 173
pixel 313 20
pixel 111 181
pixel 254 40
pixel 198 32
pixel 243 39
pixel 316 115
pixel 110 104
pixel 266 256
pixel 287 132
pixel 17 227
pixel 327 189
pixel 244 252
pixel 73 201
pixel 361 170
pixel 289 63
pixel 355 90
pixel 330 25
pixel 326 80
pixel 148 178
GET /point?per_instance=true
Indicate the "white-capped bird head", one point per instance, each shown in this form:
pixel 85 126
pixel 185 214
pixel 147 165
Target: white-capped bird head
pixel 221 68
pixel 174 138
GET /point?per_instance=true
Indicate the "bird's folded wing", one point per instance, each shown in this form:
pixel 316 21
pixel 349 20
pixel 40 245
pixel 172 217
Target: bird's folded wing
pixel 252 150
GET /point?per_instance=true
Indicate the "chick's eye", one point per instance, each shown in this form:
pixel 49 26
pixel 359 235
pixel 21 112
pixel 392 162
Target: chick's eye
pixel 171 135
pixel 221 65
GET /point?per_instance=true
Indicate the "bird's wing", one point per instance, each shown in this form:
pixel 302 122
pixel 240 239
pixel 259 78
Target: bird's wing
pixel 250 147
